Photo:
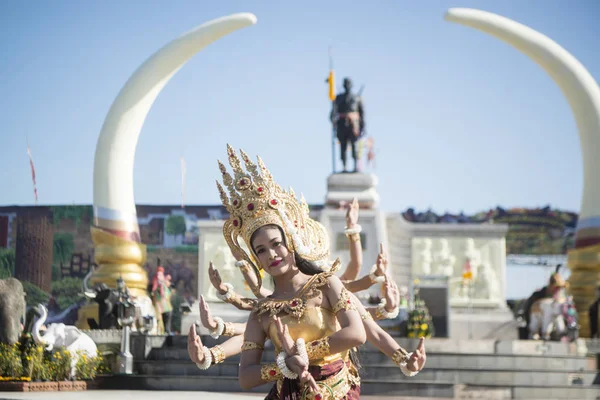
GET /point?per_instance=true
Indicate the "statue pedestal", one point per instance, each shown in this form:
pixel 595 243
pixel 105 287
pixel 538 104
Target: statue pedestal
pixel 341 190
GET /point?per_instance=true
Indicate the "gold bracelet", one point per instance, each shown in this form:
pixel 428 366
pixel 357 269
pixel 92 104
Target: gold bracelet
pixel 218 354
pixel 270 372
pixel 229 329
pixel 355 237
pixel 318 349
pixel 252 346
pixel 400 356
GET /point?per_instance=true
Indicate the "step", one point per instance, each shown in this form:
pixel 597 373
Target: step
pixel 488 377
pixel 452 346
pixel 384 373
pixel 438 360
pixel 500 392
pixel 556 393
pixel 491 361
pixel 230 384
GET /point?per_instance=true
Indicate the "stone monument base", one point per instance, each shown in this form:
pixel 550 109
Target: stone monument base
pixel 484 323
pixel 343 187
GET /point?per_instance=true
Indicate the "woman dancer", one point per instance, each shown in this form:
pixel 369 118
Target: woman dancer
pixel 321 316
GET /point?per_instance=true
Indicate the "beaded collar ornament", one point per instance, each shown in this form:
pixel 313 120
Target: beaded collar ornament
pixel 256 200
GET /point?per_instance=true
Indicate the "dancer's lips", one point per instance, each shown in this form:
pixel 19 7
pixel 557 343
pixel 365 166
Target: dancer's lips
pixel 276 263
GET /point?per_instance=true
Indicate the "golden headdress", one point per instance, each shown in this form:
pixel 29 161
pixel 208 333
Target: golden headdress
pixel 255 200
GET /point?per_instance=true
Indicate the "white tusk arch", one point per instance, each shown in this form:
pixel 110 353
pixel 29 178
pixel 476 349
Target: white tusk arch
pixel 577 85
pixel 583 95
pixel 114 205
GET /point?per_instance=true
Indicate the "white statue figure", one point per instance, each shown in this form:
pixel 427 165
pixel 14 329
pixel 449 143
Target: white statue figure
pixel 473 255
pixel 486 285
pixel 61 336
pixel 444 259
pixel 425 256
pixel 221 255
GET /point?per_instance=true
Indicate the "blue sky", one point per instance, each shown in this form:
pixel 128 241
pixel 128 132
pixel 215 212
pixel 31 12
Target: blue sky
pixel 461 121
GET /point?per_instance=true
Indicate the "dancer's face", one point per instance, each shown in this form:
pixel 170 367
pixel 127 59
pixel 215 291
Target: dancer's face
pixel 274 257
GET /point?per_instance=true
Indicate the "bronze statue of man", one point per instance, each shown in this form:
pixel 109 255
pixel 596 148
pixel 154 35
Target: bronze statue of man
pixel 348 118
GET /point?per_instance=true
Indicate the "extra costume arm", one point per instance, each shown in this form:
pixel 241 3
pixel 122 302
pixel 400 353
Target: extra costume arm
pixel 353 234
pixel 383 341
pixel 360 284
pixel 241 303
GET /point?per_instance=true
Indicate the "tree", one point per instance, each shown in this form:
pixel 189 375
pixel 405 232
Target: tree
pixel 175 225
pixel 67 291
pixel 7 263
pixel 63 245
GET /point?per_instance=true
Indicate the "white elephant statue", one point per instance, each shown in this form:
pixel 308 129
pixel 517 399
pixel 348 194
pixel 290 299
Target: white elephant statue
pixel 61 336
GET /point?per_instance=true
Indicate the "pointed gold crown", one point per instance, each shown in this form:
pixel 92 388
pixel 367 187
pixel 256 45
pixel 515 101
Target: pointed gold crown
pixel 255 200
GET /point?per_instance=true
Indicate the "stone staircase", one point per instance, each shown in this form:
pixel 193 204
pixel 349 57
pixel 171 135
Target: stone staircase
pixel 482 369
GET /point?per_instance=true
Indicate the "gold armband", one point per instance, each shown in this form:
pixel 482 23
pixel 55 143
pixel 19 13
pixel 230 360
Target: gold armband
pixel 344 303
pixel 400 356
pixel 270 372
pixel 318 349
pixel 218 354
pixel 252 346
pixel 229 330
pixel 366 316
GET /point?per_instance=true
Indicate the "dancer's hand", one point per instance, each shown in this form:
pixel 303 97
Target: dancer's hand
pixel 416 362
pixel 296 364
pixel 195 346
pixel 215 279
pixel 206 316
pixel 382 262
pixel 352 214
pixel 307 379
pixel 287 343
pixel 391 294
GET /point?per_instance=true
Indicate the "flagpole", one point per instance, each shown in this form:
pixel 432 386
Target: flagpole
pixel 183 171
pixel 331 81
pixel 35 193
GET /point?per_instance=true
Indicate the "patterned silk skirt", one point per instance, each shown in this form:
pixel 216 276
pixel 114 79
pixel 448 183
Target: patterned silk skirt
pixel 337 381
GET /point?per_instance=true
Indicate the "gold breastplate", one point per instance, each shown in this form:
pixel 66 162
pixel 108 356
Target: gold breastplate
pixel 315 323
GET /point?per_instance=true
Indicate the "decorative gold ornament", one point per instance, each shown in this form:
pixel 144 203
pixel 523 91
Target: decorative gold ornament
pixel 297 305
pixel 318 349
pixel 252 346
pixel 255 200
pixel 344 303
pixel 400 356
pixel 270 372
pixel 218 354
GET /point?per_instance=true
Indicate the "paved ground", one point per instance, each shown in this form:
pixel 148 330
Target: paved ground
pixel 152 395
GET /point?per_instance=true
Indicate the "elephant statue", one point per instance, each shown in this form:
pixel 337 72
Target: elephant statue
pixel 61 336
pixel 12 310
